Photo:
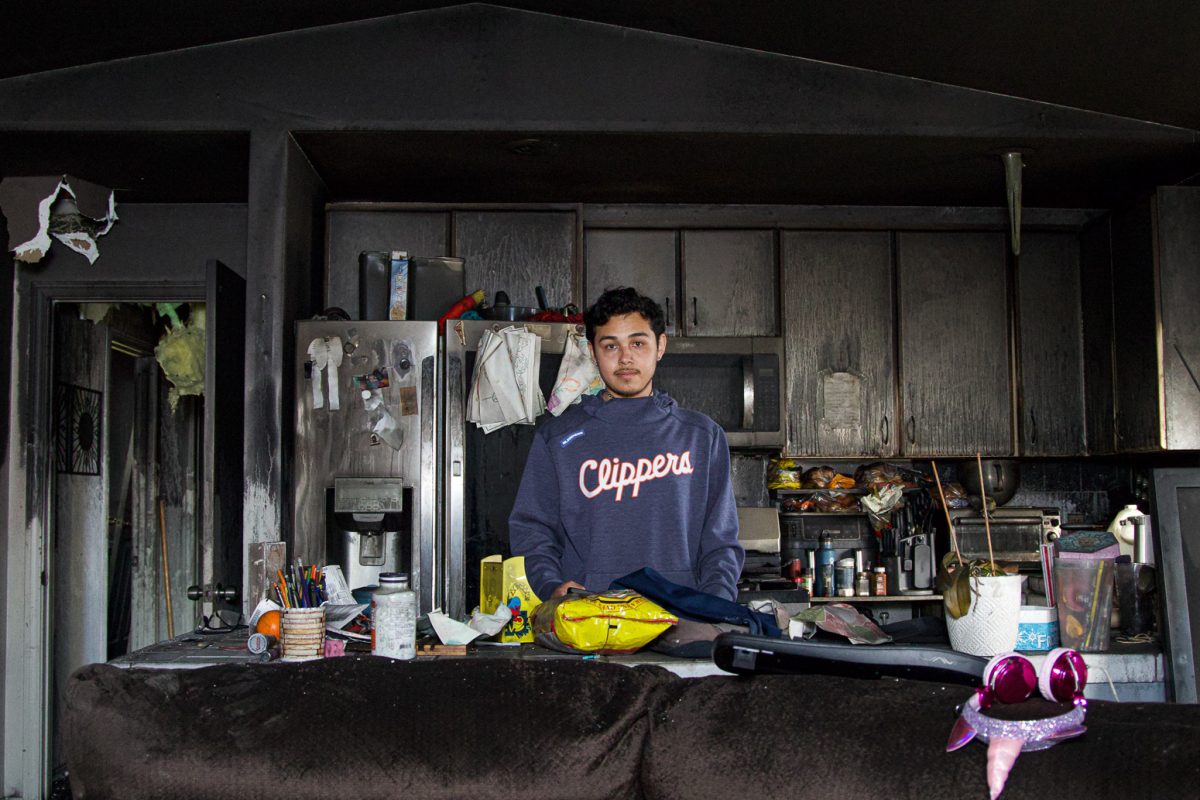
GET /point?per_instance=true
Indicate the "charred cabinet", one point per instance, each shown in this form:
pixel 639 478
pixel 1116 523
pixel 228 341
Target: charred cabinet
pixel 1050 346
pixel 839 337
pixel 1156 331
pixel 517 251
pixel 729 283
pixel 715 282
pixel 645 259
pixel 956 387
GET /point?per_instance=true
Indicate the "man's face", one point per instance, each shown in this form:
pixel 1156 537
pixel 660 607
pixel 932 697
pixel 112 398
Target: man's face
pixel 627 354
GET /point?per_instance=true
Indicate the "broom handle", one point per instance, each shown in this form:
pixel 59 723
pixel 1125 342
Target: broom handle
pixel 946 509
pixel 162 528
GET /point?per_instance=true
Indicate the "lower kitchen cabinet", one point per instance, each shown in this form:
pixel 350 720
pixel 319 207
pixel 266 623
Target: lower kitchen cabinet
pixel 956 390
pixel 839 340
pixel 1050 391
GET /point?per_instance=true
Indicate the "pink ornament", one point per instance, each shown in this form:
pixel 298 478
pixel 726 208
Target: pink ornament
pixel 1002 754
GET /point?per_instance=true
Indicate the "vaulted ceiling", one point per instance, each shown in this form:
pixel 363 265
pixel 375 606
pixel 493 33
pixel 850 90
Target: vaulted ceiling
pixel 1137 60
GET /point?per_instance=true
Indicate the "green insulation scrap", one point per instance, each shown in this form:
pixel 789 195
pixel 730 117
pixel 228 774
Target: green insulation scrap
pixel 168 310
pixel 180 353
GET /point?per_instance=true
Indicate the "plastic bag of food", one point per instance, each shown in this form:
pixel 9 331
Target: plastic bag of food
pixel 783 473
pixel 817 478
pixel 616 621
pixel 956 496
pixel 825 478
pixel 881 473
pixel 833 503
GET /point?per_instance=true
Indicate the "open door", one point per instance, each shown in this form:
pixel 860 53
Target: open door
pixel 222 563
pixel 79 524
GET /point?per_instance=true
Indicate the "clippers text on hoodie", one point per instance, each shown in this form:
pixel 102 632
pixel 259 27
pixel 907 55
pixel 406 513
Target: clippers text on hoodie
pixel 614 474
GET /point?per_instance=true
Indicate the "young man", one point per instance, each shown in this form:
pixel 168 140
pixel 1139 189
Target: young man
pixel 627 479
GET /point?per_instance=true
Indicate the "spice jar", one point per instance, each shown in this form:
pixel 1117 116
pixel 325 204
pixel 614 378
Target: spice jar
pixel 862 585
pixel 879 582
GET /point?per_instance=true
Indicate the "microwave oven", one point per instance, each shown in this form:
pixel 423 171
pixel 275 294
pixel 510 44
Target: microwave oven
pixel 738 381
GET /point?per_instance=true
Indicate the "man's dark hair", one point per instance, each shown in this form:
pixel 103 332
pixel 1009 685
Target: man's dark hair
pixel 619 301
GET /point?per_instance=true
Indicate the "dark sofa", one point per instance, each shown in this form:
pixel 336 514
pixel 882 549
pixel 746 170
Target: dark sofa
pixel 366 727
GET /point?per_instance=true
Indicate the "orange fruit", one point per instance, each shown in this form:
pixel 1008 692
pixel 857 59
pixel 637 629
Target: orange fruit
pixel 268 623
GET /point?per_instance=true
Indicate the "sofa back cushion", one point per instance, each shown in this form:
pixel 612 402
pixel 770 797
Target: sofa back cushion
pixel 812 736
pixel 362 727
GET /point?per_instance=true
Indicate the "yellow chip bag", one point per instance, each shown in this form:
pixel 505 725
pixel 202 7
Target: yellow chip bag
pixel 616 621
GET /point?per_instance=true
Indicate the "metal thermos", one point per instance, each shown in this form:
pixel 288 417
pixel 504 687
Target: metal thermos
pixel 826 562
pixel 1143 540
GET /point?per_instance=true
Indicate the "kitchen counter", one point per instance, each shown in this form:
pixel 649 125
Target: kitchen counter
pixel 1137 670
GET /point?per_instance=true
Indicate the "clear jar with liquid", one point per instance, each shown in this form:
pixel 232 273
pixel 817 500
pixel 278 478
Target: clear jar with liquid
pixel 844 580
pixel 394 617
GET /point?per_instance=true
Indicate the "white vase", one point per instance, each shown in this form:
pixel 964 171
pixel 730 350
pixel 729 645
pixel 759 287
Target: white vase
pixel 989 627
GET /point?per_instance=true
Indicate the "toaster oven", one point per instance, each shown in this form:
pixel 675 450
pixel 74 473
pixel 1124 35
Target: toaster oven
pixel 1017 533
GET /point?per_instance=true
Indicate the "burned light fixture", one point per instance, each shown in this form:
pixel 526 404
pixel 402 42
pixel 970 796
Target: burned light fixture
pixel 531 146
pixel 1013 164
pixel 73 211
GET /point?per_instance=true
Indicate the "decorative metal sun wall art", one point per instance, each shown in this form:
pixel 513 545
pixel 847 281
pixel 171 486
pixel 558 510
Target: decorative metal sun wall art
pixel 77 425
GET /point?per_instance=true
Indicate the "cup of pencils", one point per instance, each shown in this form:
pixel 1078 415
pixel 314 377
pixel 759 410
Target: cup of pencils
pixel 302 634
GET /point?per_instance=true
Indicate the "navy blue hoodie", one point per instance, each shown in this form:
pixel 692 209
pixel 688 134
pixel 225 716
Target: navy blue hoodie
pixel 611 487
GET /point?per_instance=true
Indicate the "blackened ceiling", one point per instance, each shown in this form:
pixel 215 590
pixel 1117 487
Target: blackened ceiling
pixel 1138 60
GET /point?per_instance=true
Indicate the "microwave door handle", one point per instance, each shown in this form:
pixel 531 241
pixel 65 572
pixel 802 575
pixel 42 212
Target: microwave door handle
pixel 747 394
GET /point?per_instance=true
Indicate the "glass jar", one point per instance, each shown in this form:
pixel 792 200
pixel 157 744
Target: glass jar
pixel 844 582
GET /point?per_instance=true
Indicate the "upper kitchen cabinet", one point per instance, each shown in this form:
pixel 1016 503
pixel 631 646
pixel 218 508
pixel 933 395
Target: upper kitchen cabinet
pixel 713 282
pixel 351 231
pixel 1051 346
pixel 839 338
pixel 730 284
pixel 956 395
pixel 1156 331
pixel 643 259
pixel 517 251
pixel 1096 316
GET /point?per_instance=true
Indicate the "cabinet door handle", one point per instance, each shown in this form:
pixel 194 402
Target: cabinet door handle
pixel 912 430
pixel 667 314
pixel 1033 424
pixel 695 316
pixel 885 430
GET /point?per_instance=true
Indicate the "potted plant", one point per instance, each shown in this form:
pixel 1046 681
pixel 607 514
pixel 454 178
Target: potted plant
pixel 982 599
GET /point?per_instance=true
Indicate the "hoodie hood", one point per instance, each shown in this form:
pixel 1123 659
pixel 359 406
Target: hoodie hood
pixel 630 410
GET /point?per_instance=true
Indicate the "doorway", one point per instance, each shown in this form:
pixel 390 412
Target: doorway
pixel 126 466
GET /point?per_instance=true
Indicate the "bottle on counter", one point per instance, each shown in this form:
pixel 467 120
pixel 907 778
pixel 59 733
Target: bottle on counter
pixel 826 559
pixel 879 586
pixel 394 617
pixel 862 585
pixel 845 577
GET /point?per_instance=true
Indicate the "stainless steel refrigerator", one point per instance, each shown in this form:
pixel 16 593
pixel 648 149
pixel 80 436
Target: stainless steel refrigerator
pixel 366 451
pixel 482 471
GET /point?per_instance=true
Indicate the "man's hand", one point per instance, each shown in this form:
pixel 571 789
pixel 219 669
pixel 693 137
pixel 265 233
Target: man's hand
pixel 564 586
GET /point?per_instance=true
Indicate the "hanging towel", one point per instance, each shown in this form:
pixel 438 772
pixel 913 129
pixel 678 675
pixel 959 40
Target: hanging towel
pixel 577 375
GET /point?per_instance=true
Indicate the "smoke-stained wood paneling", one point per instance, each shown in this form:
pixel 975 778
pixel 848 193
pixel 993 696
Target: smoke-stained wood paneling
pixel 1051 342
pixel 516 251
pixel 839 323
pixel 956 392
